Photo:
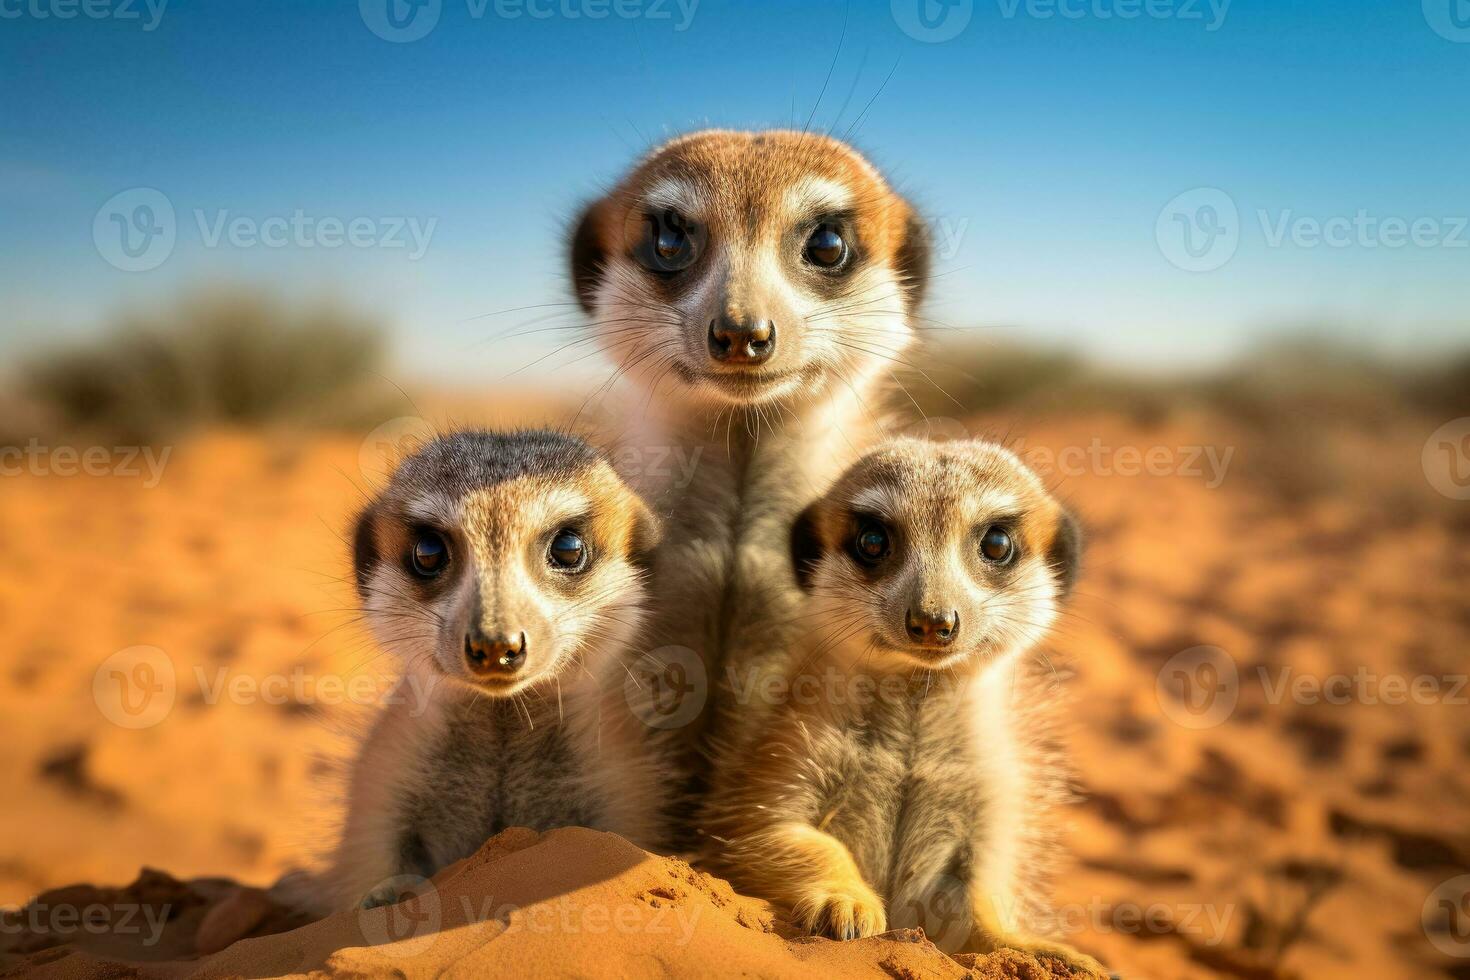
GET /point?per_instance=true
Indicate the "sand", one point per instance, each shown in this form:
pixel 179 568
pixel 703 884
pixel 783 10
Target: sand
pixel 571 902
pixel 1289 836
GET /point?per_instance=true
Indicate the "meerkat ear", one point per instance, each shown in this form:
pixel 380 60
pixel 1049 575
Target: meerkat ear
pixel 913 258
pixel 365 553
pixel 1065 555
pixel 588 258
pixel 806 547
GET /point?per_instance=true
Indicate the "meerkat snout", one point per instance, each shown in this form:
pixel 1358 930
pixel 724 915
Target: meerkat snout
pixel 929 628
pixel 491 654
pixel 741 340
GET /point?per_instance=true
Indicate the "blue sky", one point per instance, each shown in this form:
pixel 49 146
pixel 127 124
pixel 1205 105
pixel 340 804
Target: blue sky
pixel 1045 138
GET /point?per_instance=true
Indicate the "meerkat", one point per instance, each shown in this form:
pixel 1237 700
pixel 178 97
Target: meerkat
pixel 506 573
pixel 758 289
pixel 906 773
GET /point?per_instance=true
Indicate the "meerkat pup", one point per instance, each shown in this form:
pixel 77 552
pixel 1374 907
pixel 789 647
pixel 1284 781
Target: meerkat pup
pixel 757 288
pixel 904 774
pixel 505 572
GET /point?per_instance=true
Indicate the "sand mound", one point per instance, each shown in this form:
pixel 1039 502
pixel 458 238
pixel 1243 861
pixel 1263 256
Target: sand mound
pixel 571 902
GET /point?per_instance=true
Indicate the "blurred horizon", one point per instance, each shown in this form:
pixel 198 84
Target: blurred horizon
pixel 1164 190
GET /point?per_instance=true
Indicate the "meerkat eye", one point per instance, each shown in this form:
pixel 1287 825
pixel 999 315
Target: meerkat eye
pixel 568 552
pixel 671 243
pixel 826 247
pixel 871 544
pixel 996 545
pixel 430 554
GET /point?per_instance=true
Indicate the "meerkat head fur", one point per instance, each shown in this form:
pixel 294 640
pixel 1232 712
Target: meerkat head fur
pixel 938 555
pixel 497 559
pixel 751 267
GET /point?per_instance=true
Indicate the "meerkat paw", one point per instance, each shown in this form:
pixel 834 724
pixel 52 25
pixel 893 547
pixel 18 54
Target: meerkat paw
pixel 849 911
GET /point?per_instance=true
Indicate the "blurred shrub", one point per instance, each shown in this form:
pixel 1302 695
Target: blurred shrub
pixel 1312 414
pixel 223 358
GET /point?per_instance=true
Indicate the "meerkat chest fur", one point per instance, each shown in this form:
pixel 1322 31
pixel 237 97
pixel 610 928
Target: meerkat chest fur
pixel 485 764
pixel 722 583
pixel 916 766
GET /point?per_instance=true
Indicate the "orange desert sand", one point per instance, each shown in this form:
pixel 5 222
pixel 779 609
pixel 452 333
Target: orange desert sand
pixel 572 902
pixel 1268 835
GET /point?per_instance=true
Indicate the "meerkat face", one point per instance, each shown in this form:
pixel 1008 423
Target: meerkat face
pixel 945 552
pixel 497 559
pixel 751 267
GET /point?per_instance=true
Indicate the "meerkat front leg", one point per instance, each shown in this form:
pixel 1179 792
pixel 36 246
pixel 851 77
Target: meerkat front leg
pixel 814 875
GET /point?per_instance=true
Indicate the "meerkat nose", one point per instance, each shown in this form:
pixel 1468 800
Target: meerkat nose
pixel 927 626
pixel 740 340
pixel 499 653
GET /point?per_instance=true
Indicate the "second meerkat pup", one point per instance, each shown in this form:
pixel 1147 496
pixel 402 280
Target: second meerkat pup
pixel 505 572
pixel 905 774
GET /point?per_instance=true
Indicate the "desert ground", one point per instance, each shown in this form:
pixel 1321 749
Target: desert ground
pixel 1264 664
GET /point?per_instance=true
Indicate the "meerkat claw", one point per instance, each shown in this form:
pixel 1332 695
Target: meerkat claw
pixel 842 915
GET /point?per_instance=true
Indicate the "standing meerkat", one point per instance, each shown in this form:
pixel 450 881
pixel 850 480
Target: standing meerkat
pixel 505 571
pixel 758 288
pixel 905 772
